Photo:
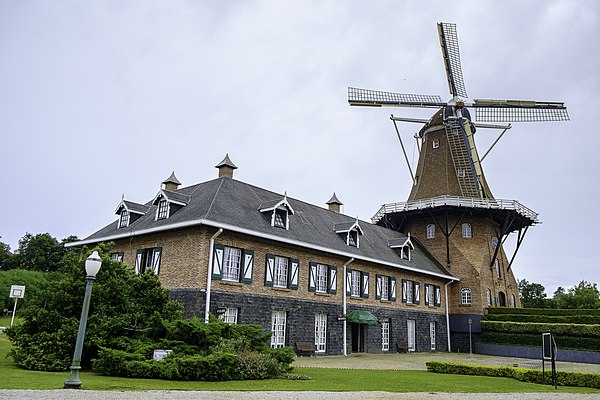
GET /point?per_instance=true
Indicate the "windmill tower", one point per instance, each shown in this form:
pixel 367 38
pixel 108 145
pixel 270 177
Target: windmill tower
pixel 450 208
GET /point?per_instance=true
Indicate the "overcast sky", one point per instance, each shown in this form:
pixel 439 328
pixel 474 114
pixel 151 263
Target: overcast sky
pixel 104 98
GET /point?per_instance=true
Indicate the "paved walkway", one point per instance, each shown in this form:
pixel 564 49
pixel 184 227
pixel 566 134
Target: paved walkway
pixel 416 361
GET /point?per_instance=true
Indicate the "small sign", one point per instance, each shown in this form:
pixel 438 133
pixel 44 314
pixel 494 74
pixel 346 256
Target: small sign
pixel 17 291
pixel 547 346
pixel 342 318
pixel 160 354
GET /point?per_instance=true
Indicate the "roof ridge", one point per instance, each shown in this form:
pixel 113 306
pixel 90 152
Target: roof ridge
pixel 212 202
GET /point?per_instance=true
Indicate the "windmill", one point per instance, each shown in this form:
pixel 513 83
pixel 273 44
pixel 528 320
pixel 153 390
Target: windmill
pixel 459 125
pixel 450 189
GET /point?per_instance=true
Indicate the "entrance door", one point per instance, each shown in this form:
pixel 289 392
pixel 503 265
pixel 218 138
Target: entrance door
pixel 410 325
pixel 358 338
pixel 501 299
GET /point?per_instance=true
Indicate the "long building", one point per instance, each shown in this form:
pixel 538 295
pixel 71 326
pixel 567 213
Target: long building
pixel 308 274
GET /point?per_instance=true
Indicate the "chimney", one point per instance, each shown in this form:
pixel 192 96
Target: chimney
pixel 226 167
pixel 171 183
pixel 335 204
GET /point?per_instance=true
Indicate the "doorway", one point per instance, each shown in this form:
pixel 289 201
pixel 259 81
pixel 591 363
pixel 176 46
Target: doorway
pixel 501 299
pixel 358 338
pixel 410 335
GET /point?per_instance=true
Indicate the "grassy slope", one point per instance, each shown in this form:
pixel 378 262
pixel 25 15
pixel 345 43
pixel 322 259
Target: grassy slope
pixel 323 379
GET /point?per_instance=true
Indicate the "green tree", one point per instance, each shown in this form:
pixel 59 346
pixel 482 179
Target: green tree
pixel 585 295
pixel 533 295
pixel 123 305
pixel 4 254
pixel 40 252
pixel 33 281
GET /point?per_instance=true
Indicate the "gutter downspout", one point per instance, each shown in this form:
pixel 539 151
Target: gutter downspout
pixel 209 273
pixel 344 306
pixel 447 315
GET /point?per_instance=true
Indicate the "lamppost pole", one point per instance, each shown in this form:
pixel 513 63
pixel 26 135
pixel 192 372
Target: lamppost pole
pixel 470 337
pixel 92 266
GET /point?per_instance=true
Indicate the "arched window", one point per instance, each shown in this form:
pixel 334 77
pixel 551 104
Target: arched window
pixel 490 299
pixel 513 302
pixel 497 265
pixel 465 296
pixel 466 231
pixel 494 242
pixel 501 299
pixel 430 231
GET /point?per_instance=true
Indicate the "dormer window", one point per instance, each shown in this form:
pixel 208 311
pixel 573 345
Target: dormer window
pixel 277 212
pixel 124 219
pixel 467 232
pixel 163 210
pixel 129 212
pixel 350 232
pixel 403 246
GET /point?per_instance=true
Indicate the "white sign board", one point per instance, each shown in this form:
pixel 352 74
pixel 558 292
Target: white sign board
pixel 160 354
pixel 17 291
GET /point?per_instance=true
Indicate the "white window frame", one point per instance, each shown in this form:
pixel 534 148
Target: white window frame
pixel 280 218
pixel 409 292
pixel 467 231
pixel 435 143
pixel 280 272
pixel 430 231
pixel 232 262
pixel 411 330
pixel 230 315
pixel 355 284
pixel 466 296
pixel 320 333
pixel 432 334
pixel 124 219
pixel 278 322
pixel 385 335
pixel 321 272
pixel 385 286
pixel 513 301
pixel 490 299
pixel 163 209
pixel 431 295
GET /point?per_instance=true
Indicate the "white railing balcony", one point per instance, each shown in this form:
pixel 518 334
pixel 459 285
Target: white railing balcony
pixel 455 201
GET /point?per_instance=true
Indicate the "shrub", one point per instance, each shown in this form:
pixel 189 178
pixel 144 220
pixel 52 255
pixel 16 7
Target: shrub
pixel 255 365
pixel 542 311
pixel 530 327
pixel 535 340
pixel 563 378
pixel 552 319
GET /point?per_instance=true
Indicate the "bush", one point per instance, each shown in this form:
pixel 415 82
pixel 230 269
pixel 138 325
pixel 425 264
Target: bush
pixel 563 378
pixel 548 319
pixel 535 340
pixel 542 311
pixel 530 327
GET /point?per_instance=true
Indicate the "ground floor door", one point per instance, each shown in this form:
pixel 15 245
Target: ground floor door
pixel 501 299
pixel 410 329
pixel 358 338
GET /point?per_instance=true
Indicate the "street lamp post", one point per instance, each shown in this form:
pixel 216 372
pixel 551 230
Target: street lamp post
pixel 92 266
pixel 470 337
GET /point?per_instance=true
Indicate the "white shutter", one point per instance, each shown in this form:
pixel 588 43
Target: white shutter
pixel 248 266
pixel 438 296
pixel 393 289
pixel 294 274
pixel 348 282
pixel 377 287
pixel 332 280
pixel 427 290
pixel 269 270
pixel 365 284
pixel 217 268
pixel 138 262
pixel 312 277
pixel 417 293
pixel 156 259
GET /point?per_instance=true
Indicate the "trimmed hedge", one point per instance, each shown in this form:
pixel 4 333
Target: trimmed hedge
pixel 546 319
pixel 530 327
pixel 563 378
pixel 542 311
pixel 535 340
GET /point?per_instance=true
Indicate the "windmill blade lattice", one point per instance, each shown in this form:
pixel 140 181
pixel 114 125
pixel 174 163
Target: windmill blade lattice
pixel 519 111
pixel 450 51
pixel 375 98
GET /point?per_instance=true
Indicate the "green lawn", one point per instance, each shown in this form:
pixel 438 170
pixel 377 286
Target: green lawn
pixel 323 379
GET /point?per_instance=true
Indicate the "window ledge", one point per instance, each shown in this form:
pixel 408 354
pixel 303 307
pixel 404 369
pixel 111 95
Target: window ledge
pixel 232 283
pixel 323 294
pixel 281 289
pixel 357 298
pixel 385 300
pixel 465 305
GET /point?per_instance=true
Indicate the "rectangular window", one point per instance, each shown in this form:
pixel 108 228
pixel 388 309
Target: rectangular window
pixel 230 315
pixel 278 329
pixel 148 260
pixel 385 282
pixel 321 279
pixel 320 333
pixel 430 295
pixel 410 336
pixel 355 284
pixel 465 296
pixel 231 263
pixel 432 334
pixel 163 209
pixel 279 218
pixel 124 220
pixel 385 335
pixel 409 292
pixel 280 275
pixel 117 256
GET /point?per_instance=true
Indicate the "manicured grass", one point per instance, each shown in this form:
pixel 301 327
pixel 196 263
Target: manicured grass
pixel 323 379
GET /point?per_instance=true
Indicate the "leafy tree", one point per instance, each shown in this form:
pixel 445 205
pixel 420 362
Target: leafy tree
pixel 5 253
pixel 585 295
pixel 123 305
pixel 533 295
pixel 33 281
pixel 40 252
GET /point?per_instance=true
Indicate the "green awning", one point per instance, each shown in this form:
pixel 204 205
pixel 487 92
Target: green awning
pixel 361 317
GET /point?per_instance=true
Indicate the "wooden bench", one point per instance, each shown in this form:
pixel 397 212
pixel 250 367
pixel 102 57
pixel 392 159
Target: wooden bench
pixel 305 348
pixel 402 347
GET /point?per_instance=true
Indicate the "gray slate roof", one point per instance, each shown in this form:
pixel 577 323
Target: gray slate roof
pixel 133 207
pixel 231 202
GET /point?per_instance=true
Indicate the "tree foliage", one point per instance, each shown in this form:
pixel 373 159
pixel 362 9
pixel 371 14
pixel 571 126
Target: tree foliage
pixel 533 295
pixel 122 305
pixel 41 252
pixel 33 281
pixel 585 295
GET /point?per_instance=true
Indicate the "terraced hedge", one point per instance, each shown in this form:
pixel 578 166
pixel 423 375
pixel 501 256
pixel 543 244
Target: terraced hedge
pixel 535 340
pixel 548 319
pixel 542 311
pixel 529 327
